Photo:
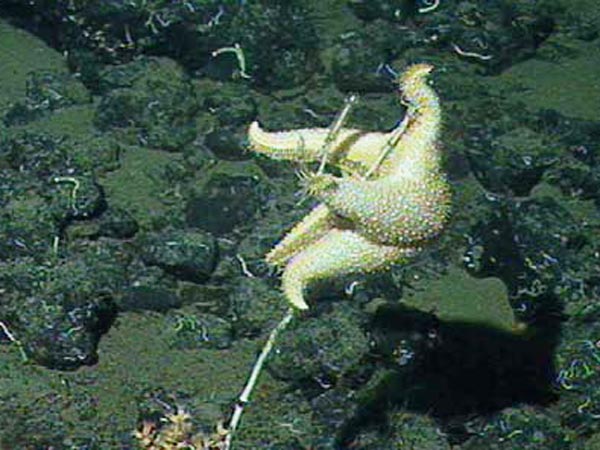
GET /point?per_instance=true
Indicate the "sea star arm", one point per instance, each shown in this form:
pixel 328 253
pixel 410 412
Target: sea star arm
pixel 311 228
pixel 302 145
pixel 337 253
pixel 350 150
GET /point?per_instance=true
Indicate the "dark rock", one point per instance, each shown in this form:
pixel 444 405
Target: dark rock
pixel 283 57
pixel 47 92
pixel 255 306
pixel 189 255
pixel 148 298
pixel 37 153
pixel 60 311
pixel 526 428
pixel 227 200
pixel 117 223
pixel 323 348
pixel 356 59
pixel 414 431
pixel 513 163
pixel 232 104
pixel 78 198
pixel 158 109
pixel 509 32
pixel 27 227
pixel 193 331
pixel 383 9
pixel 228 144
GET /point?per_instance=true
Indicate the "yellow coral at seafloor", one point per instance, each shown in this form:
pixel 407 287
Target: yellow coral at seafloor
pixel 392 199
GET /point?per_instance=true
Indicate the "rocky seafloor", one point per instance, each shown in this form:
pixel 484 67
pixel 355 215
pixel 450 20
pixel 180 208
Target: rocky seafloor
pixel 134 223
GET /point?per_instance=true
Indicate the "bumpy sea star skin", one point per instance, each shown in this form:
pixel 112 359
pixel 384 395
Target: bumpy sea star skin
pixel 312 227
pixel 339 252
pixel 409 200
pixel 363 224
pixel 353 148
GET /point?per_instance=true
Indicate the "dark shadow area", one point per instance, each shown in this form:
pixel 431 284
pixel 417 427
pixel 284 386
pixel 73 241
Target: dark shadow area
pixel 466 369
pixel 23 16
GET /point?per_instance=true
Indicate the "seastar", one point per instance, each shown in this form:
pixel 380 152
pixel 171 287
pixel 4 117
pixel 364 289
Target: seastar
pixel 392 199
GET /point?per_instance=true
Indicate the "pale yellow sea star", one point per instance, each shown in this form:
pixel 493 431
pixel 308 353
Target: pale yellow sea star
pixel 392 199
